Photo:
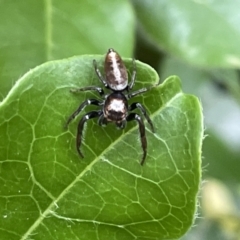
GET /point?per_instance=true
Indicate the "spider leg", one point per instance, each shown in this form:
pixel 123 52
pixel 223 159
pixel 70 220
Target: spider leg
pixel 142 90
pixel 121 125
pixel 101 78
pixel 143 111
pixel 131 84
pixel 135 116
pixel 98 89
pixel 86 117
pixel 81 107
pixel 102 121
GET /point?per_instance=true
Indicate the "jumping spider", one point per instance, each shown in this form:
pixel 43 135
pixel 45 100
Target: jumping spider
pixel 114 106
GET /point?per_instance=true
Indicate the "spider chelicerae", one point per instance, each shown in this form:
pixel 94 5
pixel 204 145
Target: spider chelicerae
pixel 114 107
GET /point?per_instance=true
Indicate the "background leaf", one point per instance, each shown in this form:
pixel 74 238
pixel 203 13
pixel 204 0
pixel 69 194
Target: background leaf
pixel 203 33
pixel 47 191
pixel 41 31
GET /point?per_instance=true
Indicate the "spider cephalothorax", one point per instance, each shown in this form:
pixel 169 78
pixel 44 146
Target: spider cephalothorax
pixel 114 106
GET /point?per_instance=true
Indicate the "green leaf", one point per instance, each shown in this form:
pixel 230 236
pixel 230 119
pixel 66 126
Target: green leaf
pixel 48 192
pixel 33 32
pixel 217 104
pixel 204 33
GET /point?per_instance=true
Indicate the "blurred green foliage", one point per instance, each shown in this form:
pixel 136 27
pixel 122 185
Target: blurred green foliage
pixel 196 40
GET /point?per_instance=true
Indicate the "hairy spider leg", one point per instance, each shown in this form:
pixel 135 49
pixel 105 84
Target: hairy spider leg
pixel 143 111
pixel 99 73
pixel 82 106
pixel 98 89
pixel 135 116
pixel 142 90
pixel 131 84
pixel 81 123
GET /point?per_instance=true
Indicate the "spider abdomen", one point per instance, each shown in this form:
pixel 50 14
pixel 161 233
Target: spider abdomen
pixel 116 72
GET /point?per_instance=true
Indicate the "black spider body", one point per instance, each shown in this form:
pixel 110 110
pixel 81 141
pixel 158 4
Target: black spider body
pixel 114 107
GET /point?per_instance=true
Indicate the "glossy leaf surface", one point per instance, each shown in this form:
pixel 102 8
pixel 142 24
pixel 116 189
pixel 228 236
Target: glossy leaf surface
pixel 48 192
